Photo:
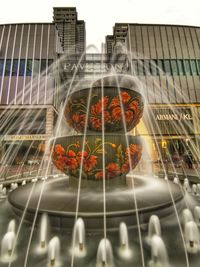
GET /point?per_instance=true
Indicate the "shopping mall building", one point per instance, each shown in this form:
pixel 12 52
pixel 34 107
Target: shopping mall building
pixel 165 58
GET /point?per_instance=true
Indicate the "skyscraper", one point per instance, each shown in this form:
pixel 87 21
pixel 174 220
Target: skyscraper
pixel 71 30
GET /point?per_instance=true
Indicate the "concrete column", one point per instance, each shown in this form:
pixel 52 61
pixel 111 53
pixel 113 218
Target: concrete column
pixel 49 133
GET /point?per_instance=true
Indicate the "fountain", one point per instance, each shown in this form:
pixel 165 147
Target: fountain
pixel 3 193
pixel 104 254
pixel 98 160
pixel 198 187
pixel 124 249
pixel 78 240
pixel 54 252
pixel 159 257
pixel 192 237
pixel 103 188
pixel 154 228
pixel 194 189
pixel 187 216
pixel 7 247
pixel 176 180
pixel 24 182
pixel 11 226
pixel 44 225
pixel 197 215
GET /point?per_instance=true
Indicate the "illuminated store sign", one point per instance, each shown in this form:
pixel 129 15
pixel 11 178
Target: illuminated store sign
pixel 165 121
pixel 26 137
pixel 173 117
pixel 94 67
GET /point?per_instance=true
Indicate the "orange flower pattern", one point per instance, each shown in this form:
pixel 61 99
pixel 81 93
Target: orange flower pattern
pixel 71 159
pixel 114 109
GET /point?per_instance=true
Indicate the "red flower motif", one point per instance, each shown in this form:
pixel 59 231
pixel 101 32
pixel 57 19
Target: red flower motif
pixel 89 163
pixel 133 106
pixel 112 170
pixel 96 114
pixel 116 114
pixel 59 150
pixel 133 155
pixel 71 153
pixel 99 175
pixel 96 123
pixel 131 150
pixel 60 162
pixel 114 102
pixel 83 154
pixel 97 108
pixel 125 168
pixel 71 163
pixel 125 97
pixel 75 118
pixel 79 121
pixel 128 116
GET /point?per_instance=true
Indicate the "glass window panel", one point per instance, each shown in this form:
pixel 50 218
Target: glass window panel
pixel 180 67
pixel 29 67
pixel 153 67
pixel 174 67
pixel 134 66
pixel 1 66
pixel 147 67
pixel 161 68
pixel 167 67
pixel 141 67
pixel 8 64
pixel 187 67
pixel 14 67
pixel 36 66
pixel 198 66
pixel 22 67
pixel 50 62
pixel 43 65
pixel 193 67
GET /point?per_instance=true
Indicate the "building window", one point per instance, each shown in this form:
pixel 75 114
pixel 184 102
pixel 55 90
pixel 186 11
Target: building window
pixel 174 67
pixel 147 66
pixel 1 66
pixel 22 67
pixel 180 67
pixel 7 69
pixel 161 68
pixel 167 67
pixel 141 70
pixel 29 67
pixel 187 67
pixel 154 67
pixel 39 66
pixel 198 65
pixel 15 67
pixel 193 67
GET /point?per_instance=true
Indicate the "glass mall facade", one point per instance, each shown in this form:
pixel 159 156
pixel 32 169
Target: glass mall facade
pixel 165 58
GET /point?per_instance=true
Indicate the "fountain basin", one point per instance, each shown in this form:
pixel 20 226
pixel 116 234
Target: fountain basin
pixel 59 200
pixel 73 156
pixel 121 109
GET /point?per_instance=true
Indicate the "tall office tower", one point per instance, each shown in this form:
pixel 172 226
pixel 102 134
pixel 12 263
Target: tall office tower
pixel 71 30
pixel 80 37
pixel 117 42
pixel 109 44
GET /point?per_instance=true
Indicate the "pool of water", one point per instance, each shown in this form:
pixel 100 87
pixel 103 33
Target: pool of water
pixel 170 233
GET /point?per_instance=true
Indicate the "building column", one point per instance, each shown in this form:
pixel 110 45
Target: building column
pixel 49 134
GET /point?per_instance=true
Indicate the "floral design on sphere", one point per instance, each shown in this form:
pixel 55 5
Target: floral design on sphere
pixel 87 159
pixel 114 107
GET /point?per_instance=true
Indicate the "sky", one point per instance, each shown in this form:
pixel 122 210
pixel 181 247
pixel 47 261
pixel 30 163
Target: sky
pixel 101 15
